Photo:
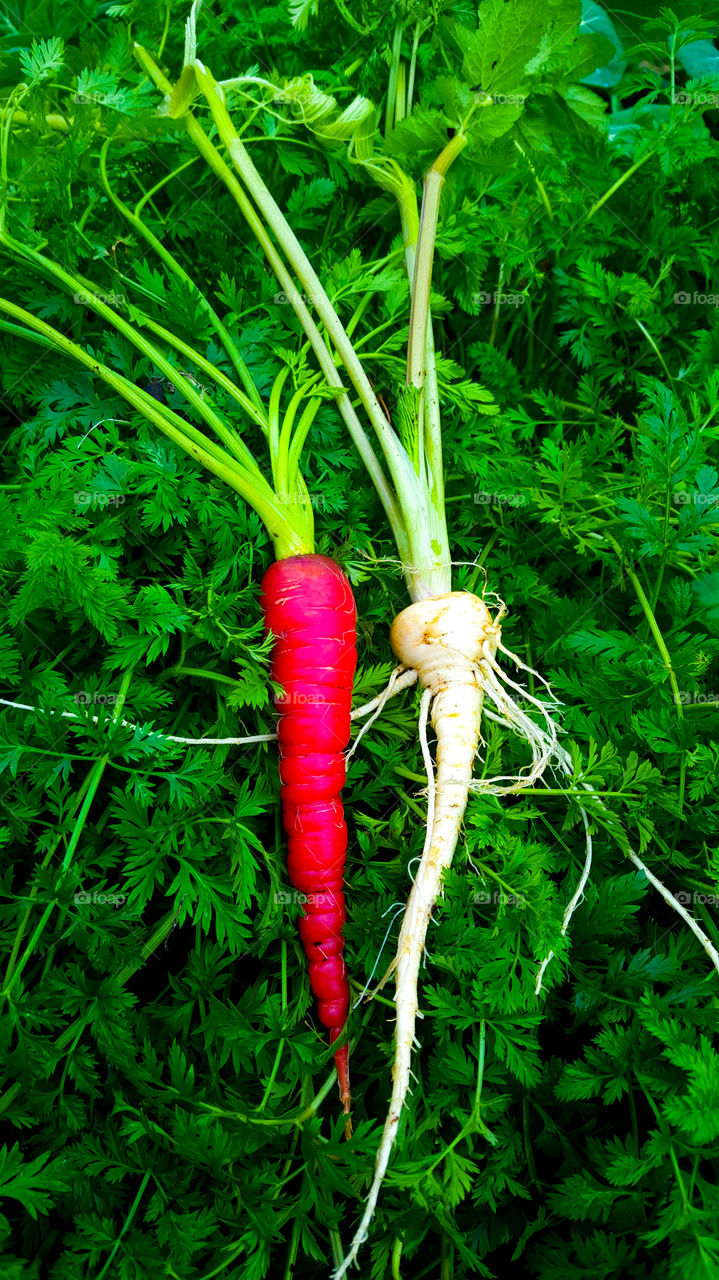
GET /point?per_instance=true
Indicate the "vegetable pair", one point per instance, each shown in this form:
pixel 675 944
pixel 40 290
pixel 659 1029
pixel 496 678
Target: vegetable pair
pixel 447 638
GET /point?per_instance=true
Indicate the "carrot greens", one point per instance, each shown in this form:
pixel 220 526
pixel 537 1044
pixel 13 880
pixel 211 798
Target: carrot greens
pixel 429 293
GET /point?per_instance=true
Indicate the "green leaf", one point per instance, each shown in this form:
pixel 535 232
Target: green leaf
pixel 514 41
pixel 43 59
pixel 32 1182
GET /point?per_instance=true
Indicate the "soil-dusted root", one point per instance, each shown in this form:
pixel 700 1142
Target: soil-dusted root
pixel 443 639
pixel 309 607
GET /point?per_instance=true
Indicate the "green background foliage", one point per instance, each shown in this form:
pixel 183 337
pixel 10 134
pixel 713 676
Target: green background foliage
pixel 168 1095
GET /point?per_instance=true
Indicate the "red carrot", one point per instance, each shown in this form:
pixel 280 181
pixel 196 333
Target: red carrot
pixel 309 608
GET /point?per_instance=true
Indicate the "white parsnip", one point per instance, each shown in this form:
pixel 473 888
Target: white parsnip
pixel 451 641
pixel 444 639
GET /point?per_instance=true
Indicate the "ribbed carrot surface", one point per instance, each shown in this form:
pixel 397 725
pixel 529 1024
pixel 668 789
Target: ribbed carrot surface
pixel 309 607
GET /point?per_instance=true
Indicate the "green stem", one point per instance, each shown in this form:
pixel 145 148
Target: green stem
pixel 399 465
pixel 325 360
pixel 275 1067
pixel 540 186
pixel 148 196
pixel 274 419
pixel 664 1130
pixel 17 943
pixel 15 966
pixel 619 183
pixel 165 29
pixel 665 540
pixel 391 116
pixel 259 417
pixel 396 1257
pixel 350 20
pixel 421 358
pixel 474 1122
pixel 413 65
pixel 294 1246
pixel 170 261
pixel 133 1210
pixel 654 347
pixel 421 284
pixel 658 639
pixel 171 423
pixel 666 659
pixel 294 446
pixel 679 706
pixel 198 672
pixel 299 261
pixel 527 1142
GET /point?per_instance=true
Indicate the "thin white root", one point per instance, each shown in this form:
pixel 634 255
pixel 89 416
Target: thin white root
pixel 565 766
pixel 523 667
pixel 377 704
pixel 399 680
pixel 573 903
pixel 544 742
pixel 365 989
pixel 677 906
pixel 169 737
pixel 442 638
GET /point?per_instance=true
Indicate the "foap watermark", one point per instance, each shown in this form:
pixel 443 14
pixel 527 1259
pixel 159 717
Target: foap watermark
pixel 498 897
pixel 111 499
pixel 85 699
pixel 696 99
pixel 83 99
pixel 484 99
pixel 483 299
pixel 687 899
pixel 285 97
pixel 303 499
pixel 84 298
pixel 684 299
pixel 695 499
pixel 688 697
pixel 483 498
pixel 286 299
pixel 84 896
pixel 288 897
pixel 298 90
pixel 299 700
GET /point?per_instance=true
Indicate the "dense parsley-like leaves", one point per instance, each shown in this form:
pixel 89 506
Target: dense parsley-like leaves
pixel 161 1058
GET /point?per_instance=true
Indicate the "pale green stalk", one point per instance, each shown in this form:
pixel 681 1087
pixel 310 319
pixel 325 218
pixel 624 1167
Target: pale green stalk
pixel 417 514
pixel 392 116
pixel 301 264
pixel 170 261
pixel 420 551
pixel 430 426
pixel 324 357
pixel 225 383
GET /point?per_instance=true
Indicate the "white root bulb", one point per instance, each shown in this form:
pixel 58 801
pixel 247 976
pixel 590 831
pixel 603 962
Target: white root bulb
pixel 448 640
